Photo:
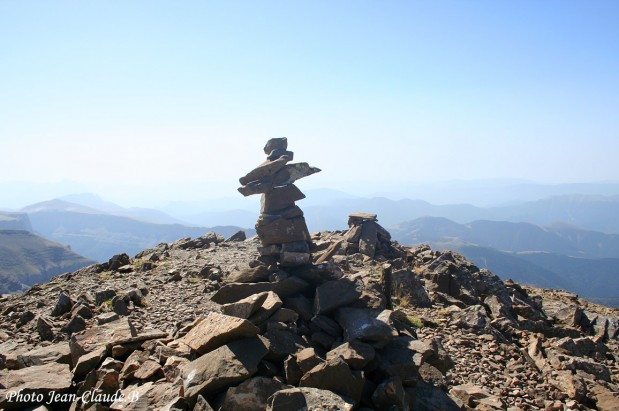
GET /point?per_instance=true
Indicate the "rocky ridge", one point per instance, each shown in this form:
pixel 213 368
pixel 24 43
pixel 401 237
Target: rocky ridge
pixel 208 323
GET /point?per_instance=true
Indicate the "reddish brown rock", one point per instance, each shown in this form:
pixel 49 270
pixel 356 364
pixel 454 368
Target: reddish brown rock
pixel 216 330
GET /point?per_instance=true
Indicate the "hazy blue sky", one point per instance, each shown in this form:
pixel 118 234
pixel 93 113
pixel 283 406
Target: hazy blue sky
pixel 133 98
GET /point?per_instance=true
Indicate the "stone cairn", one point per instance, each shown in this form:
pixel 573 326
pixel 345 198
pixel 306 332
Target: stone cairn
pixel 365 235
pixel 281 226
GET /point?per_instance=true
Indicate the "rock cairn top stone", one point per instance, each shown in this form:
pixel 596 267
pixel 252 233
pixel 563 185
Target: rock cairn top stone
pixel 281 226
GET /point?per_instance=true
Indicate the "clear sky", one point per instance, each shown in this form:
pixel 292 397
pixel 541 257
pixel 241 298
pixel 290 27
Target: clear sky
pixel 148 100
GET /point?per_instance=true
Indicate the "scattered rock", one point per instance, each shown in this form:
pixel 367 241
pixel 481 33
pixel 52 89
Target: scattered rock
pixel 63 305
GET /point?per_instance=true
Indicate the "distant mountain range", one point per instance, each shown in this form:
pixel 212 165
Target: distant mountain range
pixel 558 256
pixel 27 259
pixel 99 235
pixel 507 236
pixel 591 212
pixel 551 242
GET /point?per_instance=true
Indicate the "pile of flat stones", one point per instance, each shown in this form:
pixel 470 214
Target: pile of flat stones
pixel 281 226
pixel 365 235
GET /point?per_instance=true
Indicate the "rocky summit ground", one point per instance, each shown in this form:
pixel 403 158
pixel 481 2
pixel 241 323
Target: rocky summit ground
pixel 205 324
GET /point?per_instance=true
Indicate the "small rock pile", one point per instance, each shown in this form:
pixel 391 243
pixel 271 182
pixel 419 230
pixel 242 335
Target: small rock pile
pixel 365 235
pixel 281 226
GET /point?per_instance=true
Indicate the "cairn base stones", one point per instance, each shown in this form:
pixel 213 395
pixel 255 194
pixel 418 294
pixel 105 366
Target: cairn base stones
pixel 281 226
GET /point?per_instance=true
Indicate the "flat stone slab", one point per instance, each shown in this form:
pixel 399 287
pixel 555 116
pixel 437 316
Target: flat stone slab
pixel 147 397
pixel 43 381
pixel 231 293
pixel 280 198
pixel 268 168
pixel 245 307
pixel 107 335
pixel 216 330
pixel 282 230
pixel 293 172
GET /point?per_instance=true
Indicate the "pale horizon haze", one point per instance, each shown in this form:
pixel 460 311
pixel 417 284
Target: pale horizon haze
pixel 147 101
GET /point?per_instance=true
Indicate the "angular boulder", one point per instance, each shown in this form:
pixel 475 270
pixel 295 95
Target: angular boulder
pixel 216 330
pixel 251 394
pixel 366 325
pixel 42 381
pixel 223 367
pixel 308 398
pixel 335 375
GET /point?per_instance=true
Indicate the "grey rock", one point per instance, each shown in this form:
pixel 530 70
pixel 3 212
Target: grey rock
pixel 251 394
pixel 222 368
pixel 245 307
pixel 106 318
pixel 356 354
pixel 249 275
pixel 390 395
pixel 281 230
pixel 368 239
pixel 474 317
pixel 327 325
pixel 105 295
pixel 301 305
pixel 150 396
pixel 366 325
pixel 282 343
pixel 269 305
pixel 38 380
pixel 45 329
pixel 335 375
pixel 407 286
pixel 266 169
pixel 238 236
pixel 82 310
pixel 334 294
pixel 63 305
pixel 119 306
pixel 118 261
pixel 75 324
pixel 307 398
pixel 280 198
pixel 231 293
pixel 293 172
pixel 277 143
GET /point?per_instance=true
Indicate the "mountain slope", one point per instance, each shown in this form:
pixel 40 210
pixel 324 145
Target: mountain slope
pixel 27 259
pixel 106 207
pixel 549 257
pixel 14 221
pixel 594 212
pixel 509 236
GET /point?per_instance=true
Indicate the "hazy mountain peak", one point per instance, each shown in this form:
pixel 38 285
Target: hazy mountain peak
pixel 60 205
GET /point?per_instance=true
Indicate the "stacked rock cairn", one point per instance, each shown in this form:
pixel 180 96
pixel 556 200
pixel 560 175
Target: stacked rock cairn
pixel 365 235
pixel 281 226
